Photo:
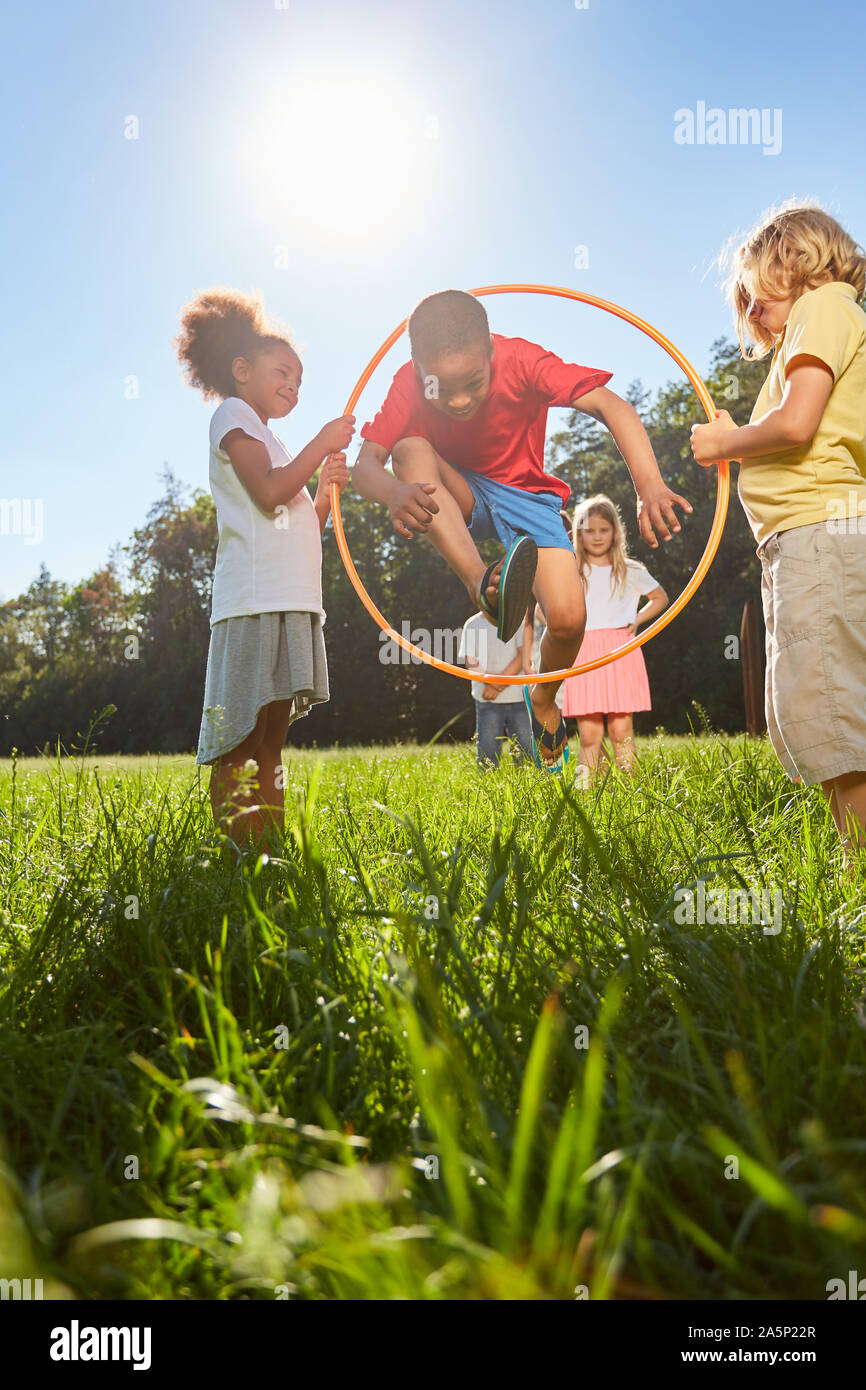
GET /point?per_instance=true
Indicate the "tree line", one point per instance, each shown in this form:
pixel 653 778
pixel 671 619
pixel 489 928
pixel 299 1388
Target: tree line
pixel 134 635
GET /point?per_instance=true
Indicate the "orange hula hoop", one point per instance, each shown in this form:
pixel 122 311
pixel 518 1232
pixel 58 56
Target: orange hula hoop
pixel 662 621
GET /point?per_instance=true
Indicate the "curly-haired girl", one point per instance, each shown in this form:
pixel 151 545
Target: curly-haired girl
pixel 794 287
pixel 266 663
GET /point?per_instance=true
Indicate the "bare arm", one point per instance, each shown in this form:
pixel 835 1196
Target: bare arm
pixel 514 666
pixel 411 504
pixel 655 499
pixel 370 477
pixel 657 603
pixel 271 487
pixel 794 421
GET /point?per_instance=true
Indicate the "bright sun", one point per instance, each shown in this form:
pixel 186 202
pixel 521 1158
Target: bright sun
pixel 332 160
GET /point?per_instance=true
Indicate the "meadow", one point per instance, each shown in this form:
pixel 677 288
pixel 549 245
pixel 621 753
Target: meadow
pixel 455 1042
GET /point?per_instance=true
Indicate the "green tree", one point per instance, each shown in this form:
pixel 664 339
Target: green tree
pixel 41 617
pixel 97 610
pixel 171 560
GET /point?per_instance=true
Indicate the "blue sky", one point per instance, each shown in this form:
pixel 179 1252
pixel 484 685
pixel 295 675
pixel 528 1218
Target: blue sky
pixel 347 159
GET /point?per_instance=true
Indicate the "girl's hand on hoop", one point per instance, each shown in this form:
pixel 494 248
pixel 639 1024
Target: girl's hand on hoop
pixel 335 470
pixel 337 434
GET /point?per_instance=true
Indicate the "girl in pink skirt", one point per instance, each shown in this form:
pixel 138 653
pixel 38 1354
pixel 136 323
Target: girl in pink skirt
pixel 613 584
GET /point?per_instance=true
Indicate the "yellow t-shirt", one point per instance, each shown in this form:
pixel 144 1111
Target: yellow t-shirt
pixel 824 479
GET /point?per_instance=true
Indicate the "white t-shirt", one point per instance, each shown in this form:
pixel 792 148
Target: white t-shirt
pixel 604 609
pixel 267 562
pixel 479 641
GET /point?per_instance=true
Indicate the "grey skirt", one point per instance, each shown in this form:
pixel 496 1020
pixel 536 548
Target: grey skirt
pixel 253 661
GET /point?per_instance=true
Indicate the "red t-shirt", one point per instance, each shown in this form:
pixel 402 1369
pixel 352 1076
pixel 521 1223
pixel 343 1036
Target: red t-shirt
pixel 505 438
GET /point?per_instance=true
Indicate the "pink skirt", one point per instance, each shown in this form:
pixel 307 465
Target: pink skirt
pixel 621 687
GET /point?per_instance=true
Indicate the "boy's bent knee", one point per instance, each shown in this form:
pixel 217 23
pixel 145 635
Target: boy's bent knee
pixel 410 453
pixel 566 627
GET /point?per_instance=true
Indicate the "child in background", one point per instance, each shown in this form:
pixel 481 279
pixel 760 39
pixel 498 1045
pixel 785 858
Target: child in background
pixel 613 584
pixel 266 662
pixel 500 712
pixel 794 288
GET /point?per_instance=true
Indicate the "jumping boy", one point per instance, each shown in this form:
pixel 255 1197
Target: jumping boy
pixel 465 420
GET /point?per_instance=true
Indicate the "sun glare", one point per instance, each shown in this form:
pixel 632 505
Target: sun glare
pixel 333 160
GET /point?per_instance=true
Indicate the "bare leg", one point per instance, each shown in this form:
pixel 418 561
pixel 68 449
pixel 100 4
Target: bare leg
pixel 237 807
pixel 829 790
pixel 266 824
pixel 847 798
pixel 228 798
pixel 560 593
pixel 621 730
pixel 416 461
pixel 591 729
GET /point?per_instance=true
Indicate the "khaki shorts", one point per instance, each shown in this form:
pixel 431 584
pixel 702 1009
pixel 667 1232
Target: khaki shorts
pixel 814 593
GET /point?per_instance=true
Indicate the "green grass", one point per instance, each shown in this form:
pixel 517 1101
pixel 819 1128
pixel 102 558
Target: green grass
pixel 246 1089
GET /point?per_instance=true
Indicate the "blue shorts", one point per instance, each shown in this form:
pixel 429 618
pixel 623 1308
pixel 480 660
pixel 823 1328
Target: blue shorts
pixel 508 512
